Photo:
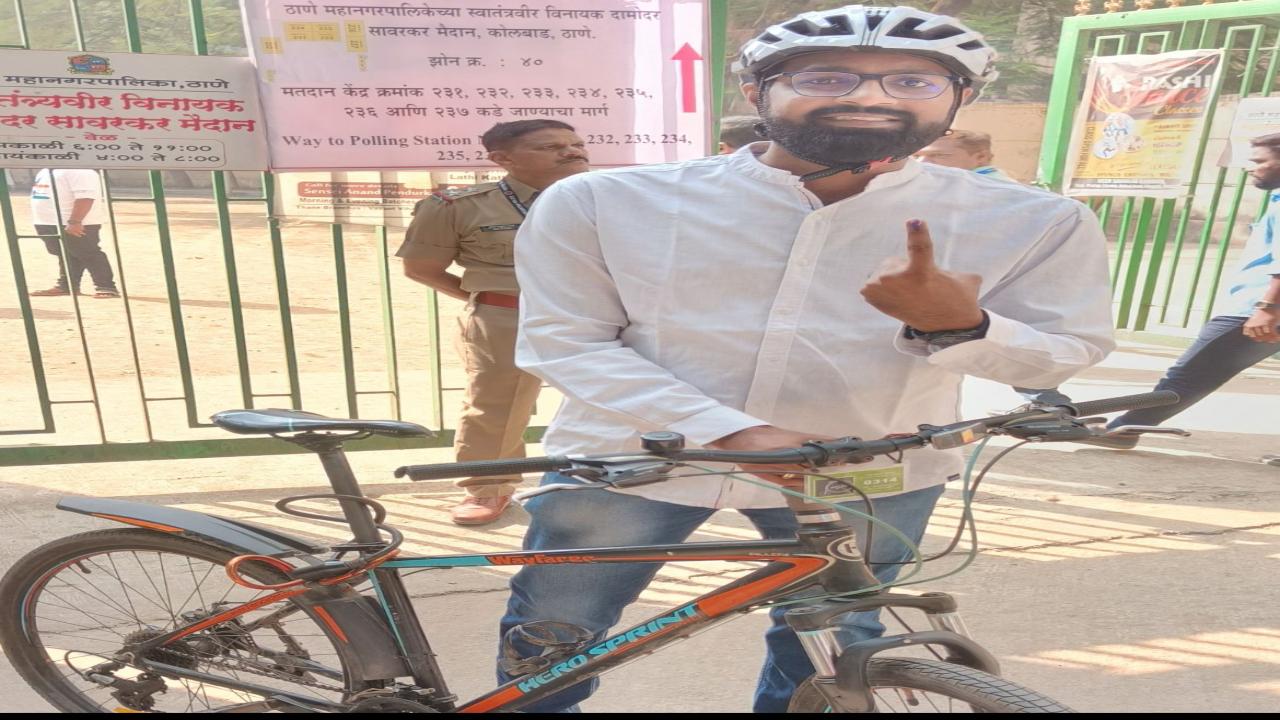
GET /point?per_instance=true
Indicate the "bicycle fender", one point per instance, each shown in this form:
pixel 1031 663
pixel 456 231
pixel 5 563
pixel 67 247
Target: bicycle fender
pixel 852 687
pixel 358 622
pixel 235 535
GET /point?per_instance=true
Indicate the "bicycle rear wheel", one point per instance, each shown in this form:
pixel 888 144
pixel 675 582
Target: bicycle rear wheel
pixel 72 605
pixel 931 686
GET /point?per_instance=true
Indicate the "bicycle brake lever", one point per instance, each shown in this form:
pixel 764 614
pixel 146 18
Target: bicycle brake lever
pixel 524 495
pixel 1148 430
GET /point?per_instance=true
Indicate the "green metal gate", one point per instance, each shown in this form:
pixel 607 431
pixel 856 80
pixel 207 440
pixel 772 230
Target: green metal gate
pixel 1166 271
pixel 154 406
pixel 304 316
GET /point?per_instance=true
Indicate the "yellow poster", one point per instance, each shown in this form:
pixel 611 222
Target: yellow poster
pixel 1140 123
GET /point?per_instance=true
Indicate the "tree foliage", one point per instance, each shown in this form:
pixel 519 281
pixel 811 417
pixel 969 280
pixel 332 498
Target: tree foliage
pixel 164 26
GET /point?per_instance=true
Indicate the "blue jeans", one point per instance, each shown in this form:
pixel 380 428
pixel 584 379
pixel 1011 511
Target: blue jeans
pixel 593 596
pixel 1219 353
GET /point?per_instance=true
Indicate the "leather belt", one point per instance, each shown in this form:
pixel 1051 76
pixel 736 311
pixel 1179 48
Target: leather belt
pixel 497 299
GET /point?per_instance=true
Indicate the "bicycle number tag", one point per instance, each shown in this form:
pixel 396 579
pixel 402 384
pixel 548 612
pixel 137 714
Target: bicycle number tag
pixel 835 485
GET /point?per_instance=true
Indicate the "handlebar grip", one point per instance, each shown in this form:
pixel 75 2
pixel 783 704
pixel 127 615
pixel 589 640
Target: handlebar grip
pixel 1129 402
pixel 481 468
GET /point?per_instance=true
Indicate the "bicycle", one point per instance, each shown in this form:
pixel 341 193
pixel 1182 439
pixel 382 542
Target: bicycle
pixel 186 611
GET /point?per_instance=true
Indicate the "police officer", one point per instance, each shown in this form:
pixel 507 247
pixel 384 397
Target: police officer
pixel 476 230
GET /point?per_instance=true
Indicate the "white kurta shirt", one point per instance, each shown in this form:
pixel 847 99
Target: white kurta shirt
pixel 717 294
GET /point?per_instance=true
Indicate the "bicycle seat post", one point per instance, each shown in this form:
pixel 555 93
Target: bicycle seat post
pixel 343 481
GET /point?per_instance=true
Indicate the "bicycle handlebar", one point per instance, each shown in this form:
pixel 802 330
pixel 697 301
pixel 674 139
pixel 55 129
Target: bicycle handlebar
pixel 814 454
pixel 481 468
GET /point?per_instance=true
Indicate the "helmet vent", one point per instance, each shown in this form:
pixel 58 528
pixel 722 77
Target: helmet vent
pixel 800 27
pixel 839 26
pixel 908 29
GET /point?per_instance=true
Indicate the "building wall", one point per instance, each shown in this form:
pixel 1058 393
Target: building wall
pixel 1015 130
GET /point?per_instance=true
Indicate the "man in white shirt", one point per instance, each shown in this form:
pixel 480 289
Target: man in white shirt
pixel 819 285
pixel 77 196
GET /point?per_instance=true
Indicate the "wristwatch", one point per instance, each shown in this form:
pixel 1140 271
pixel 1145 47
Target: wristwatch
pixel 1264 305
pixel 943 339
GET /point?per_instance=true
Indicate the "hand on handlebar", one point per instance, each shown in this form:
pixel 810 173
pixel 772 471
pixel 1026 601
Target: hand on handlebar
pixel 765 438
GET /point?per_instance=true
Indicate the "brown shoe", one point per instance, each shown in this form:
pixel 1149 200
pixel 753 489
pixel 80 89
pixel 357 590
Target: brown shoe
pixel 54 291
pixel 108 293
pixel 479 510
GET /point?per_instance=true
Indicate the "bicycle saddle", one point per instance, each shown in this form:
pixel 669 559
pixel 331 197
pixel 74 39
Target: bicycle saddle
pixel 264 422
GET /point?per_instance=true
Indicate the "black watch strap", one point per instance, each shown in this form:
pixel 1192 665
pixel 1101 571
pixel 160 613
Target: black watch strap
pixel 977 332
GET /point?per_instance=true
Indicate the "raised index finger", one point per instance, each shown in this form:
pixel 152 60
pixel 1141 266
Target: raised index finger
pixel 919 246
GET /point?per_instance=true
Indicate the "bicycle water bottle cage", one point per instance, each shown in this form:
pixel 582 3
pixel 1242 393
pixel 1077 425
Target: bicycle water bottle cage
pixel 558 641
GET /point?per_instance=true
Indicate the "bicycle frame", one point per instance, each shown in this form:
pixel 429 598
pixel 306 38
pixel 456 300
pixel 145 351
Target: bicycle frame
pixel 790 565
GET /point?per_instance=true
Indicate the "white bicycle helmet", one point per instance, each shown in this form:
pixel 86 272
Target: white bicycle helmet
pixel 938 37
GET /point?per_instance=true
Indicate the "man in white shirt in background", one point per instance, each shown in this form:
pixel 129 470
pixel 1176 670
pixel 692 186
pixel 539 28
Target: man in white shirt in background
pixel 719 298
pixel 78 198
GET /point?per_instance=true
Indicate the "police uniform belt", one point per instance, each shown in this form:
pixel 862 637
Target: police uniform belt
pixel 497 299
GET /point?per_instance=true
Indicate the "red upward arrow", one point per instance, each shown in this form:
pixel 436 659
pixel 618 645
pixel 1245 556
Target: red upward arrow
pixel 687 56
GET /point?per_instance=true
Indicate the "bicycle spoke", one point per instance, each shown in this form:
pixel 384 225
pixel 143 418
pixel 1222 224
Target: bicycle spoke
pixel 69 605
pixel 126 594
pixel 87 615
pixel 96 591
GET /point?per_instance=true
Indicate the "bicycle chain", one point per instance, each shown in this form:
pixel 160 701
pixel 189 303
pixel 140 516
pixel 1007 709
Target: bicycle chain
pixel 233 666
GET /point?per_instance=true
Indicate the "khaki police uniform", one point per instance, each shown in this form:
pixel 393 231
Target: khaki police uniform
pixel 476 229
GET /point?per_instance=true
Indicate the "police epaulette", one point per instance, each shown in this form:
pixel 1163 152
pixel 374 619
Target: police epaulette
pixel 451 194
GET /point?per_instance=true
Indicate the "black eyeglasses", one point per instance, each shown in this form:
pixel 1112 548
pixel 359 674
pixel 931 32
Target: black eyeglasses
pixel 904 86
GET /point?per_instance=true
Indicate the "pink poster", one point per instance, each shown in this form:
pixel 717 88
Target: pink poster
pixel 372 84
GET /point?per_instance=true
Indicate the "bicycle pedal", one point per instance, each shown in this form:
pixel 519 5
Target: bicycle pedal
pixel 558 641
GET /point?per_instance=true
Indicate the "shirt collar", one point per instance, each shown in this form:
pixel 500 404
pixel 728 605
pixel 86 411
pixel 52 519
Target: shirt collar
pixel 524 192
pixel 747 161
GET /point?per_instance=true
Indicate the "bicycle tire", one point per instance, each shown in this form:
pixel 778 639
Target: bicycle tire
pixel 50 574
pixel 979 691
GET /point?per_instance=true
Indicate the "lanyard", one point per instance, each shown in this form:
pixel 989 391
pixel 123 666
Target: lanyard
pixel 511 198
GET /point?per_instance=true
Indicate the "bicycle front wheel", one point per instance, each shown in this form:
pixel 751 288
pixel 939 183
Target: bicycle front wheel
pixel 931 686
pixel 68 609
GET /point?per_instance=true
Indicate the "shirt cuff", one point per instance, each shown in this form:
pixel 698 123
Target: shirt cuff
pixel 713 424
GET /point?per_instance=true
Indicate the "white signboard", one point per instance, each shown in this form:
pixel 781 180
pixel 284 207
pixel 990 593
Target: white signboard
pixel 123 110
pixel 1255 117
pixel 372 84
pixel 367 197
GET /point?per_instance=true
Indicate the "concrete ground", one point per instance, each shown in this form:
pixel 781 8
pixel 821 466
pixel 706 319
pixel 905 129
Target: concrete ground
pixel 1111 581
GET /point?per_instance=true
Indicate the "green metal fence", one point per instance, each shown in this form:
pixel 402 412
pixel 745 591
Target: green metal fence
pixel 224 306
pixel 1169 255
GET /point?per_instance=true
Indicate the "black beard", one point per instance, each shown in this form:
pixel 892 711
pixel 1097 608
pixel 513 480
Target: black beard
pixel 832 146
pixel 1268 183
